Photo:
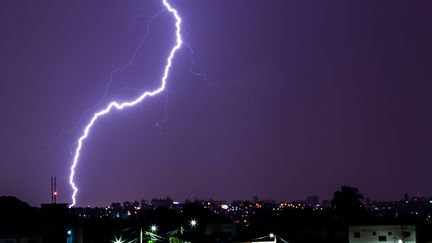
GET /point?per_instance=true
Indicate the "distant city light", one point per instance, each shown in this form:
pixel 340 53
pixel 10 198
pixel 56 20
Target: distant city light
pixel 271 235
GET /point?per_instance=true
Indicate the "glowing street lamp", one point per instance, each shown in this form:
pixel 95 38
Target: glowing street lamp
pixel 119 240
pixel 272 236
pixel 193 223
pixel 153 228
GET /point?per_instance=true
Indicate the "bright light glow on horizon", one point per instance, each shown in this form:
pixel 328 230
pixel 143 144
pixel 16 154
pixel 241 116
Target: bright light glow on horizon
pixel 120 106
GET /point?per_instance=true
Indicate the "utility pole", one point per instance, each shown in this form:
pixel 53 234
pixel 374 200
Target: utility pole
pixel 53 190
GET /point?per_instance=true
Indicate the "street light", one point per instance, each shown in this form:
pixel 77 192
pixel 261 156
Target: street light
pixel 153 228
pixel 193 223
pixel 272 236
pixel 119 240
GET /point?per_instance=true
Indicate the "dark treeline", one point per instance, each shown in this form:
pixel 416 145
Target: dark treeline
pixel 305 224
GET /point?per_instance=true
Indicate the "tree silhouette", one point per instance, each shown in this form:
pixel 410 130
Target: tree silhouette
pixel 17 216
pixel 348 202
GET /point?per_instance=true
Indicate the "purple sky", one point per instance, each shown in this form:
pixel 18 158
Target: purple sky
pixel 316 94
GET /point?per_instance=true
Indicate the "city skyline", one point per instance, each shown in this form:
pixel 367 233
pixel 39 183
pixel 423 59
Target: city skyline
pixel 278 100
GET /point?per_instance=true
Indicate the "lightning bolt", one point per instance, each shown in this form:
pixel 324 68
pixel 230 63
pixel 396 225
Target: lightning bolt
pixel 111 80
pixel 120 106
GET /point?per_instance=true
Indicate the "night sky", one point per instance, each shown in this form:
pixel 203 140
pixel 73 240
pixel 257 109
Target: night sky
pixel 301 97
